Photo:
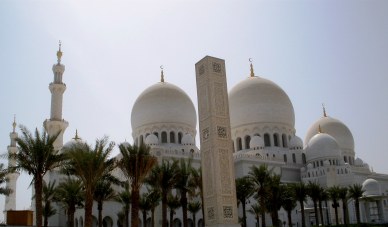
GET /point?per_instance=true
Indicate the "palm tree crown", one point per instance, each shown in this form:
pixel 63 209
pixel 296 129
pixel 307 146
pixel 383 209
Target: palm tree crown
pixel 136 163
pixel 71 195
pixel 356 192
pixel 244 190
pixel 164 177
pixel 90 165
pixel 37 156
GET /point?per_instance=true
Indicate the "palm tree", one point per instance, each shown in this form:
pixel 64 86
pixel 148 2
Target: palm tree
pixel 103 192
pixel 36 156
pixel 136 163
pixel 196 183
pixel 173 203
pixel 314 191
pixel 300 191
pixel 343 196
pixel 323 197
pixel 90 165
pixel 49 193
pixel 71 195
pixel 48 211
pixel 183 185
pixel 355 192
pixel 288 201
pixel 256 211
pixel 154 198
pixel 260 178
pixel 273 201
pixel 144 207
pixel 164 177
pixel 244 190
pixel 3 179
pixel 194 207
pixel 124 197
pixel 334 196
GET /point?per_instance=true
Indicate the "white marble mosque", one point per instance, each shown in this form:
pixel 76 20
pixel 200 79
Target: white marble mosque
pixel 262 122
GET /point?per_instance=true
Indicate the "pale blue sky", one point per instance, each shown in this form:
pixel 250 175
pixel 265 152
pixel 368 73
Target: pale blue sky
pixel 334 52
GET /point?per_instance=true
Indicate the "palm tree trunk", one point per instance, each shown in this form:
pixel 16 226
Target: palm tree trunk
pixel 171 217
pixel 164 209
pixel 316 213
pixel 38 200
pixel 336 214
pixel 357 204
pixel 257 220
pixel 99 207
pixel 244 214
pixel 144 218
pixel 262 204
pixel 45 218
pixel 345 212
pixel 127 215
pixel 289 218
pixel 135 207
pixel 302 211
pixel 88 209
pixel 276 215
pixel 70 216
pixel 184 207
pixel 152 217
pixel 194 224
pixel 320 211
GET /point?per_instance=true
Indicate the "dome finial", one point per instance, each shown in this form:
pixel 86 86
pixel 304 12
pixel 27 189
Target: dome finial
pixel 76 137
pixel 161 74
pixel 319 129
pixel 14 122
pixel 324 110
pixel 59 52
pixel 252 72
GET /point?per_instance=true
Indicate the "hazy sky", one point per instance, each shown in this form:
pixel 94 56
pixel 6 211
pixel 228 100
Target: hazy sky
pixel 334 52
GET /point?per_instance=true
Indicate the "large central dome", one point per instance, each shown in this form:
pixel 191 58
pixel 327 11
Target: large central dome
pixel 163 103
pixel 258 100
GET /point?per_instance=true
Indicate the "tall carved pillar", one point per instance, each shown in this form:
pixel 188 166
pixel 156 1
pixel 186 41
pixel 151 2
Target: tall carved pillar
pixel 218 178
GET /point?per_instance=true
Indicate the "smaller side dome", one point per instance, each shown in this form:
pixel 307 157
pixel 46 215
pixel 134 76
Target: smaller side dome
pixel 358 162
pixel 296 143
pixel 256 143
pixel 73 141
pixel 322 145
pixel 151 140
pixel 187 139
pixel 371 187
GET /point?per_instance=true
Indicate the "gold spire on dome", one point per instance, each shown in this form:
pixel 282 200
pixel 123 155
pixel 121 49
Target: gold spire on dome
pixel 76 137
pixel 252 72
pixel 319 129
pixel 161 74
pixel 324 110
pixel 59 52
pixel 14 122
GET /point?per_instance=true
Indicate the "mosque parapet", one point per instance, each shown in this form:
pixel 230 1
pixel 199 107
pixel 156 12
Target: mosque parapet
pixel 185 153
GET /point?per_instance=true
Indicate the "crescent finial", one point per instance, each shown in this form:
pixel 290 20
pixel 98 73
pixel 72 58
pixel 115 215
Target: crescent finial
pixel 59 52
pixel 324 110
pixel 252 72
pixel 161 74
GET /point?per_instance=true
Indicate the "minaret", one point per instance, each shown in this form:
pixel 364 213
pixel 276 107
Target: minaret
pixel 10 200
pixel 56 123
